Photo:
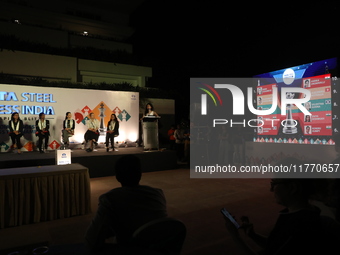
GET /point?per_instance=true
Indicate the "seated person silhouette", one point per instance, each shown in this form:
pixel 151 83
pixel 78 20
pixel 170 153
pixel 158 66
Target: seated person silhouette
pixel 298 229
pixel 123 210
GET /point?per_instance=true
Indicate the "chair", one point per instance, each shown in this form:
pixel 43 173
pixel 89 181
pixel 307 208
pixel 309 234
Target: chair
pixel 163 236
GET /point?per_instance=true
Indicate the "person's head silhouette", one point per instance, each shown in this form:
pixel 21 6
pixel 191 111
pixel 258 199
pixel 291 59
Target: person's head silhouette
pixel 128 170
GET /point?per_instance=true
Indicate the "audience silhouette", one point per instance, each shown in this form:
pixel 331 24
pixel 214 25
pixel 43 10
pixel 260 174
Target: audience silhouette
pixel 299 228
pixel 123 210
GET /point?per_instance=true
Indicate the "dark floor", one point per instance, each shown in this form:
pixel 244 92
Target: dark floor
pixel 196 202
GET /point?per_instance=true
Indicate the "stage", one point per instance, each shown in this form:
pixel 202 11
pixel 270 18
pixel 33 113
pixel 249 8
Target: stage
pixel 99 162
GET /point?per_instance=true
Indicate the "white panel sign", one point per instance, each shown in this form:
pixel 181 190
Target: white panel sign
pixel 63 157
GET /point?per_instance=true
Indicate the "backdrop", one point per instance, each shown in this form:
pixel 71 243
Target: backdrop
pixel 29 101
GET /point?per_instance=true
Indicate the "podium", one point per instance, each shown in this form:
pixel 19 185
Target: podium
pixel 150 132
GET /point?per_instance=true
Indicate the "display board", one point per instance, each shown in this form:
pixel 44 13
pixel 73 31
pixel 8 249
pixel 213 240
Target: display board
pixel 295 127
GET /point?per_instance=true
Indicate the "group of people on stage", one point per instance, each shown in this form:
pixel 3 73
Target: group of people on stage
pixel 16 127
pixel 91 136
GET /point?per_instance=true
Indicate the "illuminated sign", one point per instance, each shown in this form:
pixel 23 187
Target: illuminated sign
pixel 26 97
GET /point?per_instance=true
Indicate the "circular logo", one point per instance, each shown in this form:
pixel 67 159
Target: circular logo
pixel 288 76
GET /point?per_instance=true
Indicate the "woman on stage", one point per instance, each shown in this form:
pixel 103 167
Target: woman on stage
pixel 42 126
pixel 16 127
pixel 112 131
pixel 92 133
pixel 149 111
pixel 68 128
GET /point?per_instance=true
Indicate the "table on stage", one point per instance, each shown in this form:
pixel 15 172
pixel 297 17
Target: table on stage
pixel 36 194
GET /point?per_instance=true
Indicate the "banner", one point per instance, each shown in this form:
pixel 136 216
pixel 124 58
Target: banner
pixel 29 101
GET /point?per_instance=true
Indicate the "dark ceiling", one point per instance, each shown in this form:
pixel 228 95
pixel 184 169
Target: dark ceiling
pixel 199 38
pixel 238 38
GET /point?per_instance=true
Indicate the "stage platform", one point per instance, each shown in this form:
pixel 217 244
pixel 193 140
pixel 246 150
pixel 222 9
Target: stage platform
pixel 99 162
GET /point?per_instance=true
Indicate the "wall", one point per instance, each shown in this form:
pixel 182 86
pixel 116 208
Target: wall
pixel 95 71
pixel 35 64
pixel 52 67
pixel 82 41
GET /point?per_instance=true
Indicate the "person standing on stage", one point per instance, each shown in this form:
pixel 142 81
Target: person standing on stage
pixel 68 128
pixel 16 127
pixel 149 111
pixel 112 131
pixel 92 133
pixel 42 126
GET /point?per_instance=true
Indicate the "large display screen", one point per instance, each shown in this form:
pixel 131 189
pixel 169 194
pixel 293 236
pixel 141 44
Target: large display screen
pixel 295 126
